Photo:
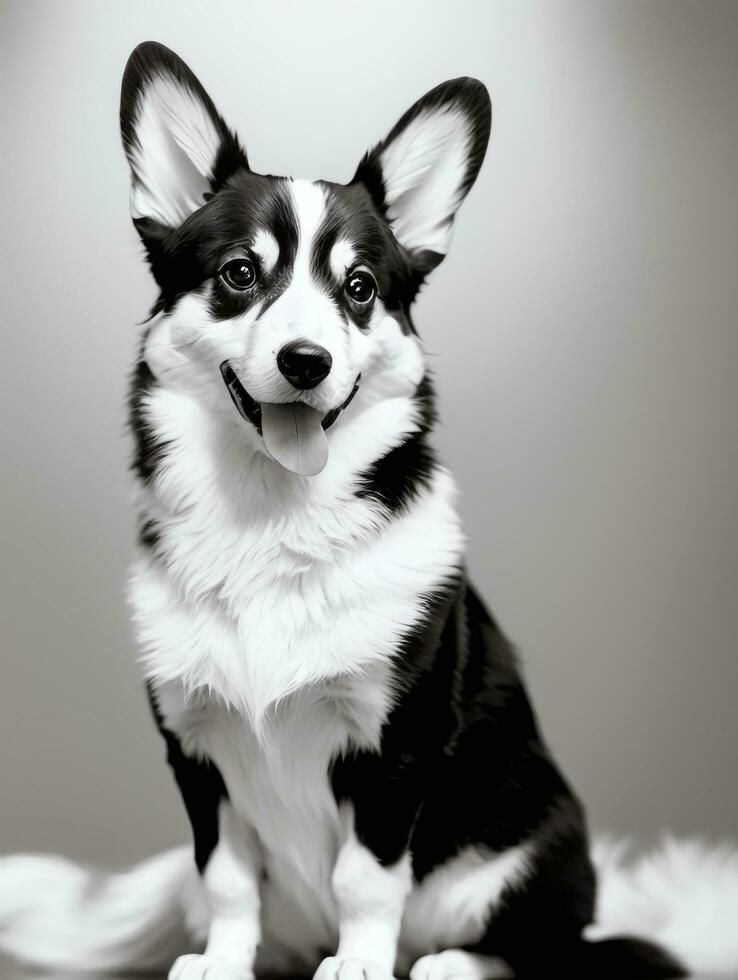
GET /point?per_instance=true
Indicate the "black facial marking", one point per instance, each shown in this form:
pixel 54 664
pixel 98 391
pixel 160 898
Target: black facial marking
pixel 184 259
pixel 325 239
pixel 352 216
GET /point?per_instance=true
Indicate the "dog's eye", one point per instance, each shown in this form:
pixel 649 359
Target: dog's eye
pixel 238 274
pixel 360 287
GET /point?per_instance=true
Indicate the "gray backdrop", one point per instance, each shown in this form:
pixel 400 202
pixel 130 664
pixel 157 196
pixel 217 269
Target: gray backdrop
pixel 583 332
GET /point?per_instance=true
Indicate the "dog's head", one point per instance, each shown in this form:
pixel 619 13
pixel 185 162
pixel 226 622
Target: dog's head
pixel 292 295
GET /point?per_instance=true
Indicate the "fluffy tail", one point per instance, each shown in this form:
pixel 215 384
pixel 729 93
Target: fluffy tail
pixel 683 896
pixel 55 914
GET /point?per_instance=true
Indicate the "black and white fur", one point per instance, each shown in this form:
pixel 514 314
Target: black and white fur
pixel 368 789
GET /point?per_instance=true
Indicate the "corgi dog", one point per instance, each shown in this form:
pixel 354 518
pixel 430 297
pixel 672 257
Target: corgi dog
pixel 368 789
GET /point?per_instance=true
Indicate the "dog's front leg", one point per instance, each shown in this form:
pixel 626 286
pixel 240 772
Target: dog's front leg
pixel 370 899
pixel 231 884
pixel 227 853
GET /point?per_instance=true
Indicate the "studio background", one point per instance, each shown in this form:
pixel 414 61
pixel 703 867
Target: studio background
pixel 582 329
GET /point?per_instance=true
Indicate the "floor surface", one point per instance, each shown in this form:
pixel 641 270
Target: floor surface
pixel 10 971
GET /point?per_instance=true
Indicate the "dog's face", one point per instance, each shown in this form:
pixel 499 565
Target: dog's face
pixel 287 297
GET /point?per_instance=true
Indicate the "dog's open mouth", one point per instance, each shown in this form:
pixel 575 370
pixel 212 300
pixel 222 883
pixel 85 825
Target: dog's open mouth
pixel 293 433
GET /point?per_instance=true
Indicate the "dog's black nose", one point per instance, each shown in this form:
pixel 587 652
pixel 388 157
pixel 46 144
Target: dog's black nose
pixel 304 364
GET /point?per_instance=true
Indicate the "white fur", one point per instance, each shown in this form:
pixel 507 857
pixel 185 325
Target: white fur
pixel 269 630
pixel 271 578
pixel 60 916
pixel 278 785
pixel 276 604
pixel 231 885
pixel 175 149
pixel 266 247
pixel 370 900
pixel 341 259
pixel 458 963
pixel 206 966
pixel 230 888
pixel 185 349
pixel 269 623
pixel 450 906
pixel 684 893
pixel 423 170
pixel 323 888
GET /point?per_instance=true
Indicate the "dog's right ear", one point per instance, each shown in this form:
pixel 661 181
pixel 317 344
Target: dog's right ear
pixel 178 147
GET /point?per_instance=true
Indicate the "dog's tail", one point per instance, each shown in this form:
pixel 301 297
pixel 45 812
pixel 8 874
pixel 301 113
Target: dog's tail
pixel 681 896
pixel 57 915
pixel 619 958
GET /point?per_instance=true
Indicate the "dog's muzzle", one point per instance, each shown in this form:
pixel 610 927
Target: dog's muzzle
pixel 293 432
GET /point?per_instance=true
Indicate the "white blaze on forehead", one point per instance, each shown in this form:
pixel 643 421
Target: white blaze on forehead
pixel 342 258
pixel 310 209
pixel 292 431
pixel 267 248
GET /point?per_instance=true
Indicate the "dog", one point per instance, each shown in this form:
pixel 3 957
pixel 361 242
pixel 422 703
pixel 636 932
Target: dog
pixel 367 785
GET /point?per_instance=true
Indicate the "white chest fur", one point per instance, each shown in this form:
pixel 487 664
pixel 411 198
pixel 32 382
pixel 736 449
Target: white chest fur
pixel 268 585
pixel 279 785
pixel 269 622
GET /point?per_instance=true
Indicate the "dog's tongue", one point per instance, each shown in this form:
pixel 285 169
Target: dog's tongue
pixel 294 436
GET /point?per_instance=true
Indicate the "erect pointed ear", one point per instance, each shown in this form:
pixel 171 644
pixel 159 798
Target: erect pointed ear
pixel 420 174
pixel 178 147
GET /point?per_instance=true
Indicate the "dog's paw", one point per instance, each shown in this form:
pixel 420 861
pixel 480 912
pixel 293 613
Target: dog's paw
pixel 338 968
pixel 456 964
pixel 196 966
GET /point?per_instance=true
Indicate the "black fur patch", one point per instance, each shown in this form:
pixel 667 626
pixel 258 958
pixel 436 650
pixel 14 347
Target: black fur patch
pixel 240 201
pixel 148 449
pixel 396 479
pixel 352 216
pixel 396 779
pixel 464 712
pixel 149 536
pixel 187 258
pixel 462 764
pixel 201 786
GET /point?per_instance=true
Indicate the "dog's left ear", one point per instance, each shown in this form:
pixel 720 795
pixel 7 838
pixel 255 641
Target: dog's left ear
pixel 419 175
pixel 178 147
